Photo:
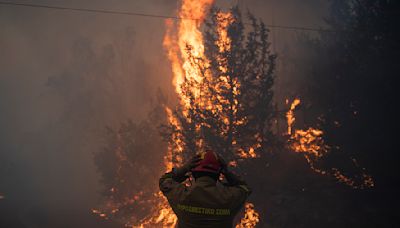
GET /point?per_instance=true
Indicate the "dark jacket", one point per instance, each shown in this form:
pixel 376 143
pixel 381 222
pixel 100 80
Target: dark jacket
pixel 206 203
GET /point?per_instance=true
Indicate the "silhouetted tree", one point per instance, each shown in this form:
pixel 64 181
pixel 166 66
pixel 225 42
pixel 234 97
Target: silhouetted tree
pixel 230 109
pixel 133 152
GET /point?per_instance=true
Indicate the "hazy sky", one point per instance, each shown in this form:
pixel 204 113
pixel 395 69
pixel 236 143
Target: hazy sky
pixel 65 75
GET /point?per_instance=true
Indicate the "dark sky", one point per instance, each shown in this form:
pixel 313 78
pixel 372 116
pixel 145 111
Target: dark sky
pixel 66 75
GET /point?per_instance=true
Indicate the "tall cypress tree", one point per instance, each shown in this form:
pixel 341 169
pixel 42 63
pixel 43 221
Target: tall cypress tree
pixel 233 110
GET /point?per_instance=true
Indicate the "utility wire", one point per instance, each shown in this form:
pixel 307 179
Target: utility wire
pixel 94 10
pixel 153 15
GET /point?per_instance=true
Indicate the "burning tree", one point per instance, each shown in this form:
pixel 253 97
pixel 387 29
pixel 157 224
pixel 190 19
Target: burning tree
pixel 226 95
pixel 224 85
pixel 225 103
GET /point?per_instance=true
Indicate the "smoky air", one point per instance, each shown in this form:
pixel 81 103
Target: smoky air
pixel 98 100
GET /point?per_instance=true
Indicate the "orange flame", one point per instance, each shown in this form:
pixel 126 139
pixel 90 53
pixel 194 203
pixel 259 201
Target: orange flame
pixel 188 35
pixel 169 158
pixel 250 219
pixel 162 215
pixel 290 114
pixel 248 154
pixel 185 48
pixel 311 144
pixel 188 39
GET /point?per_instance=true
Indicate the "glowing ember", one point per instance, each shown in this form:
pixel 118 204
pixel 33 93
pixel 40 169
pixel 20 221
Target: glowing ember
pixel 247 154
pixel 311 144
pixel 232 163
pixel 290 114
pixel 99 213
pixel 251 217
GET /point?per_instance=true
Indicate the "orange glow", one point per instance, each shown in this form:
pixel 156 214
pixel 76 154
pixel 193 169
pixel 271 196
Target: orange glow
pixel 251 217
pixel 310 143
pixel 185 47
pixel 177 41
pixel 176 143
pixel 290 114
pixel 162 215
pixel 183 42
pixel 248 154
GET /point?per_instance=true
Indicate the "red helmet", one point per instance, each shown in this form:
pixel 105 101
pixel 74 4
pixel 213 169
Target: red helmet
pixel 209 163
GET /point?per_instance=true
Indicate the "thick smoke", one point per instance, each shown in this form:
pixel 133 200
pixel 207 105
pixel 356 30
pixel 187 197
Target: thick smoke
pixel 66 75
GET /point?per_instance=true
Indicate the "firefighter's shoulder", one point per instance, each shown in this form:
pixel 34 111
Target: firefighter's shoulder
pixel 238 190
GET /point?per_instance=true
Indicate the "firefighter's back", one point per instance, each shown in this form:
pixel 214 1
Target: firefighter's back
pixel 209 204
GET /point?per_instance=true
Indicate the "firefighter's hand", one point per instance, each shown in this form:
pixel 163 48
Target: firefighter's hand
pixel 193 162
pixel 181 171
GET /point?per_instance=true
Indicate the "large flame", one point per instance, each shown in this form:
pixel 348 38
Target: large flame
pixel 185 47
pixel 184 42
pixel 177 42
pixel 311 144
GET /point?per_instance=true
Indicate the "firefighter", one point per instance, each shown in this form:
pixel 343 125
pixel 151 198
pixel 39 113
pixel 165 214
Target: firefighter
pixel 206 202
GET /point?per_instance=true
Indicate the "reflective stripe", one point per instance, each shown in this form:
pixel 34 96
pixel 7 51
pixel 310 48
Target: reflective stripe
pixel 244 187
pixel 203 210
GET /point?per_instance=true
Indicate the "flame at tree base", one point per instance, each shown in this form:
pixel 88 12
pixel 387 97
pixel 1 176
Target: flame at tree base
pixel 162 215
pixel 250 219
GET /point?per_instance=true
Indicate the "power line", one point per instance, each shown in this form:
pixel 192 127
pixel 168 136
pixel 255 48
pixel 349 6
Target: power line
pixel 151 15
pixel 94 10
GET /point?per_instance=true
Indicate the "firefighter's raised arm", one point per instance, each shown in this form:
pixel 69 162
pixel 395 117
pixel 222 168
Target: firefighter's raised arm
pixel 231 178
pixel 179 173
pixel 171 179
